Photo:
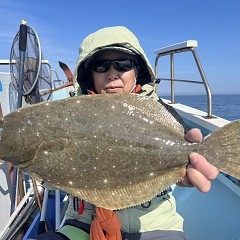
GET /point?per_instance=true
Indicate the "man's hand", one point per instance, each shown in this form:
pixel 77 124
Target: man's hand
pixel 199 171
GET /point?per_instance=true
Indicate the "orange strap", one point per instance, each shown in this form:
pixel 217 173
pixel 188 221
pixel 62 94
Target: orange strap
pixel 105 221
pixel 137 89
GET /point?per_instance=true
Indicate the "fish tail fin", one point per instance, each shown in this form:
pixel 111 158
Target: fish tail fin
pixel 223 149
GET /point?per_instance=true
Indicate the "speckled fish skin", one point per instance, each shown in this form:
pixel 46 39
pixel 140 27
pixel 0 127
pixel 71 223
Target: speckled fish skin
pixel 113 150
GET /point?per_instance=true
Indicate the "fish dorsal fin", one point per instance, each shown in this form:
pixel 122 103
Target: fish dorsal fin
pixel 158 110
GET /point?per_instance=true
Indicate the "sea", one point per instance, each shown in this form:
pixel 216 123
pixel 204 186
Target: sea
pixel 226 106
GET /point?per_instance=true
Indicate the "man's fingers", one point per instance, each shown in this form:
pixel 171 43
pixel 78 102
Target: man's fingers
pixel 198 180
pixel 199 163
pixel 194 135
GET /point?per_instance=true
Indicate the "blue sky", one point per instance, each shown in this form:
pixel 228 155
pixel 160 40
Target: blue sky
pixel 62 25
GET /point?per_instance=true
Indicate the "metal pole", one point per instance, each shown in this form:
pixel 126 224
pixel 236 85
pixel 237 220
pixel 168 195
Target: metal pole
pixel 22 50
pixel 172 77
pixel 156 72
pixel 16 212
pixel 42 227
pixel 204 79
pixel 58 210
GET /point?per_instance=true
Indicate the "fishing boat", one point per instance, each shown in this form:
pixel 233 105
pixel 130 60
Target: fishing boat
pixel 208 216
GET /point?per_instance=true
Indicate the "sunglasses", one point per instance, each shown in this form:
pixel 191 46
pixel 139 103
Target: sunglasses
pixel 102 66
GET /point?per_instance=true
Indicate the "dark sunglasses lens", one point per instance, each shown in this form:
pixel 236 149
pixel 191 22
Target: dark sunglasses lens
pixel 123 65
pixel 101 66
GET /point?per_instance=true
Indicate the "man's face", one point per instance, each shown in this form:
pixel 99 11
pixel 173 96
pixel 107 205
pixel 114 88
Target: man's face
pixel 112 80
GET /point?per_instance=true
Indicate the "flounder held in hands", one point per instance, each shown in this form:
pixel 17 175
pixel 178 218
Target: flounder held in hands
pixel 113 150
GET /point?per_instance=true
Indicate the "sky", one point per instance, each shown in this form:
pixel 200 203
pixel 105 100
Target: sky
pixel 61 26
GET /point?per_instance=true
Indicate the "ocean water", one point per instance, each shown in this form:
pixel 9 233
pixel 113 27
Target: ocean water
pixel 224 106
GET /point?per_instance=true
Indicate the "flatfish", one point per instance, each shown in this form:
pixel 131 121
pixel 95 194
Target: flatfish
pixel 113 150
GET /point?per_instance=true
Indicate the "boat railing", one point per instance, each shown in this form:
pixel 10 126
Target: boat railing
pixel 189 45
